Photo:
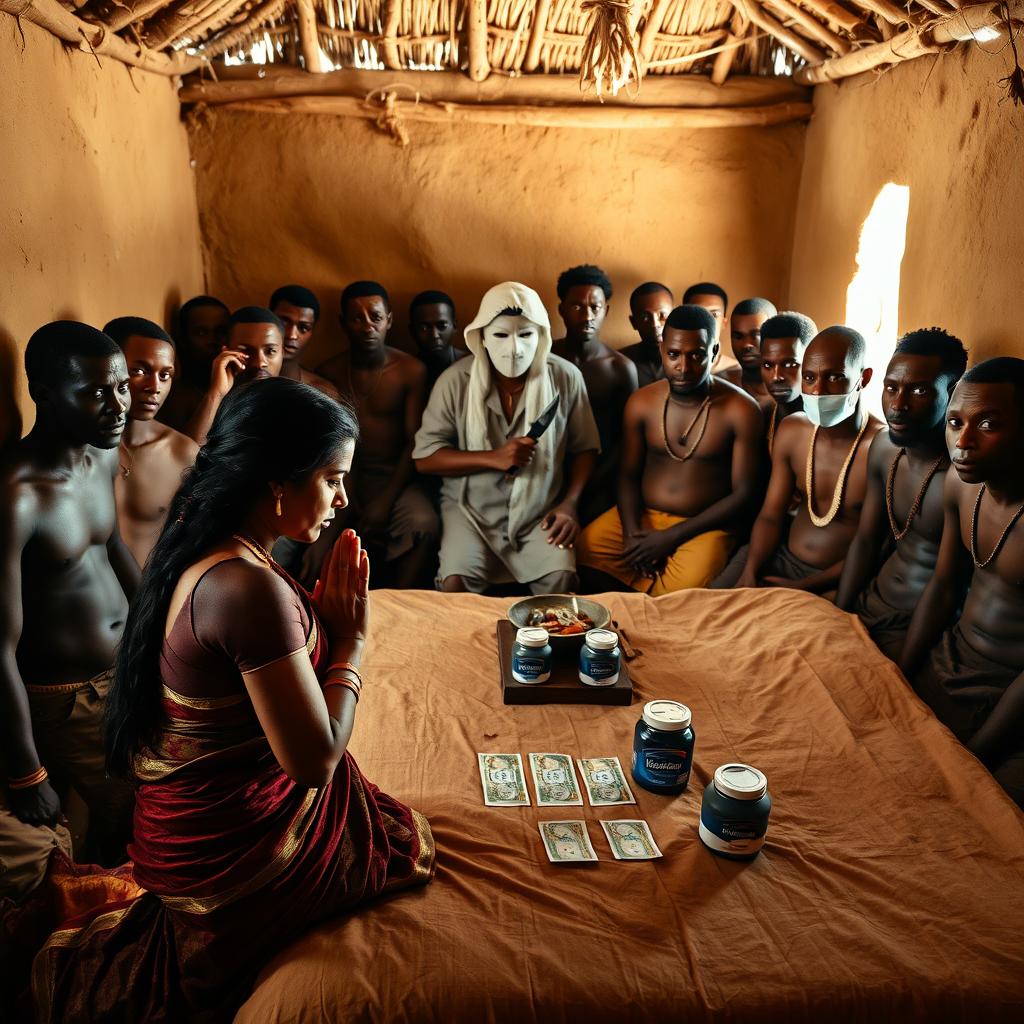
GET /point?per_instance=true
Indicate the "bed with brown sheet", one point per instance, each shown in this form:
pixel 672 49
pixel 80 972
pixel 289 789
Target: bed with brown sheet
pixel 891 887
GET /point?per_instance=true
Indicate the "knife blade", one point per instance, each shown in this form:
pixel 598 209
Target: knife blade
pixel 539 425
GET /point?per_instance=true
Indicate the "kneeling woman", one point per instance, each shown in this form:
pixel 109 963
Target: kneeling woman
pixel 234 697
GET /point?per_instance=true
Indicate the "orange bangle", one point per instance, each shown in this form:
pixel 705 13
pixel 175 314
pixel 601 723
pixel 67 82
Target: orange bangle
pixel 347 683
pixel 28 781
pixel 346 666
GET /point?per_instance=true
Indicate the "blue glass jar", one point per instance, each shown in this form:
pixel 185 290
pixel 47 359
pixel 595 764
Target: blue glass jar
pixel 663 747
pixel 531 656
pixel 734 812
pixel 600 658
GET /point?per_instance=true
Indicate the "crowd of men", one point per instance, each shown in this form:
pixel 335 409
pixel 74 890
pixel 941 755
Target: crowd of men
pixel 524 461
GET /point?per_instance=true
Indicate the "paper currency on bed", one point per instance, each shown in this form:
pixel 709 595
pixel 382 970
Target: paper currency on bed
pixel 566 842
pixel 503 780
pixel 630 839
pixel 606 785
pixel 554 780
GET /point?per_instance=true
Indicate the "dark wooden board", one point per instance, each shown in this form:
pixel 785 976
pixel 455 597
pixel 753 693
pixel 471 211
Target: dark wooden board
pixel 564 686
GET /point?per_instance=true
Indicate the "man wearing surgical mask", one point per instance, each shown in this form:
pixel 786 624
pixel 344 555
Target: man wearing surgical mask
pixel 509 503
pixel 820 459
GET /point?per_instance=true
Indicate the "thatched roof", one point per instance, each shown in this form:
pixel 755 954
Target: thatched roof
pixel 672 37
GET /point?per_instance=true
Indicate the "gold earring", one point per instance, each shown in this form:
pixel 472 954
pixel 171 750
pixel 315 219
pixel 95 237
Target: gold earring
pixel 277 506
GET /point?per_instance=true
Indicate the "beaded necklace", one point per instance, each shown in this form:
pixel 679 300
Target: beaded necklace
pixel 890 485
pixel 704 407
pixel 1002 537
pixel 837 494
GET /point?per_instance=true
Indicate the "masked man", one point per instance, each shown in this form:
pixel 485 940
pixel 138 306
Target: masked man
pixel 509 500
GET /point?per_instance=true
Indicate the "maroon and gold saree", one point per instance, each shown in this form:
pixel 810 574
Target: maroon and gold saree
pixel 231 859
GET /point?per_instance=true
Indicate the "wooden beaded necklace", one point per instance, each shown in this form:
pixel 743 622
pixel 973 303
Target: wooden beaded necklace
pixel 1002 537
pixel 890 485
pixel 705 407
pixel 837 494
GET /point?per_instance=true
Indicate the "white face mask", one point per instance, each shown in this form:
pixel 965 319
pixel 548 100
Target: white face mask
pixel 511 342
pixel 829 410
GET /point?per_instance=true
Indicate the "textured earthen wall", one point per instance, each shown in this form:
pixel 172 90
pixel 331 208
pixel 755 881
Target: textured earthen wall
pixel 97 200
pixel 940 126
pixel 323 200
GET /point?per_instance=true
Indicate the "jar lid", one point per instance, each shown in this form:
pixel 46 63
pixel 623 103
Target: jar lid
pixel 532 636
pixel 741 782
pixel 602 639
pixel 667 715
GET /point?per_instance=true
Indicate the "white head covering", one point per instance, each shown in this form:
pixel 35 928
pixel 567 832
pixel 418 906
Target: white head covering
pixel 538 392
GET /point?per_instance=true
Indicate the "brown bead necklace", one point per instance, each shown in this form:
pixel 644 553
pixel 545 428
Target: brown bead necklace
pixel 1002 537
pixel 705 407
pixel 890 485
pixel 772 426
pixel 837 493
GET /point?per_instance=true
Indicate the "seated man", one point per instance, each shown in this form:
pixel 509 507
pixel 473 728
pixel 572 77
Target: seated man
pixel 902 515
pixel 153 456
pixel 387 388
pixel 67 580
pixel 689 470
pixel 508 501
pixel 202 327
pixel 254 350
pixel 972 675
pixel 298 309
pixel 745 325
pixel 432 324
pixel 819 458
pixel 649 307
pixel 610 377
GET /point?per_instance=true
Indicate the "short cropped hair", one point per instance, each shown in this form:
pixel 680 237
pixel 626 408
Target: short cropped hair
pixel 584 274
pixel 125 327
pixel 254 315
pixel 52 349
pixel 749 307
pixel 364 289
pixel 649 288
pixel 196 302
pixel 705 288
pixel 1000 370
pixel 934 341
pixel 789 325
pixel 692 318
pixel 431 298
pixel 856 346
pixel 296 295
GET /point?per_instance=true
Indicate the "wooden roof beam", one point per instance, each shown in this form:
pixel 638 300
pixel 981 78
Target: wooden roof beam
pixel 811 25
pixel 118 14
pixel 476 32
pixel 753 11
pixel 309 41
pixel 652 26
pixel 540 22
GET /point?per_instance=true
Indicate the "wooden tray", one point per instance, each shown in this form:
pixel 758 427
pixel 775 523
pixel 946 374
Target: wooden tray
pixel 564 686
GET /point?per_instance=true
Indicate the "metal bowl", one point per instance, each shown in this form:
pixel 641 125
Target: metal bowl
pixel 519 614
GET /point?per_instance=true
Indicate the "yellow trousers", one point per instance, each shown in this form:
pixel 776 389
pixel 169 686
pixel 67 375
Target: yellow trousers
pixel 693 564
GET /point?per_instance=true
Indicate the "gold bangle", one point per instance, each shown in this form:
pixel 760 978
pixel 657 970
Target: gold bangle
pixel 347 684
pixel 346 666
pixel 28 781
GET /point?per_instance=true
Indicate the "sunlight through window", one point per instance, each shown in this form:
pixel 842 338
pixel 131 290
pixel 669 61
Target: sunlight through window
pixel 873 296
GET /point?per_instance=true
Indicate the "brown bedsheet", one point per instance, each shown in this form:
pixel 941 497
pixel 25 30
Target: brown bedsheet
pixel 891 886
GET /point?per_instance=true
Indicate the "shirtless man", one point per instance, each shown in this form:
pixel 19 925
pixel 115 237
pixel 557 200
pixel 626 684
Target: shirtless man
pixel 388 389
pixel 972 675
pixel 689 470
pixel 202 327
pixel 153 456
pixel 827 446
pixel 432 324
pixel 902 515
pixel 298 309
pixel 649 307
pixel 745 325
pixel 610 377
pixel 253 350
pixel 67 579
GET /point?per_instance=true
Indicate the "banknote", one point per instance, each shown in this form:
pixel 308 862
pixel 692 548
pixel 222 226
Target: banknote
pixel 606 785
pixel 630 840
pixel 566 841
pixel 503 780
pixel 554 780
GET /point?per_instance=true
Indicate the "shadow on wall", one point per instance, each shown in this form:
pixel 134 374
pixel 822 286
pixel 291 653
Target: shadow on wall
pixel 10 370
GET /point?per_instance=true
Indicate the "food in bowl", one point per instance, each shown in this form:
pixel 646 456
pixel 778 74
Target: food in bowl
pixel 560 621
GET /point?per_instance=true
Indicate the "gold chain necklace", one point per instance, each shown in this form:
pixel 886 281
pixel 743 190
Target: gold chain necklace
pixel 1002 537
pixel 704 407
pixel 837 494
pixel 126 471
pixel 256 548
pixel 890 486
